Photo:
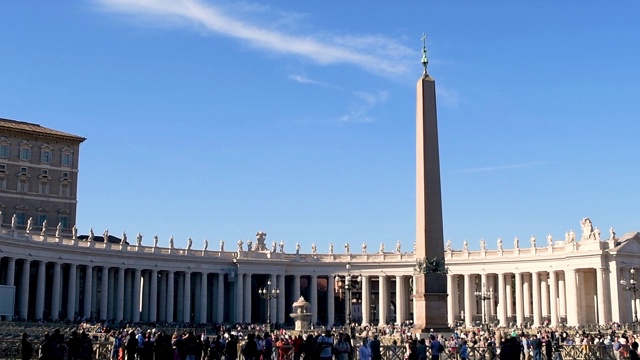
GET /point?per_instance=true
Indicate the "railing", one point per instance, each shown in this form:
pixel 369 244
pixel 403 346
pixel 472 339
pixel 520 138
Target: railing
pixel 11 350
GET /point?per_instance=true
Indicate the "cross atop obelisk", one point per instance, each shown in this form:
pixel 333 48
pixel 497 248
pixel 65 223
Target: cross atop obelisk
pixel 431 286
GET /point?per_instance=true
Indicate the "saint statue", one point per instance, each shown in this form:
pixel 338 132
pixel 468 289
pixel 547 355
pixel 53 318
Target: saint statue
pixel 44 228
pixel 91 235
pixel 139 239
pixel 273 246
pixel 330 248
pixel 1 218
pixel 612 234
pixel 282 246
pixel 465 246
pixel 105 235
pixel 572 236
pixel 449 245
pixel 29 224
pixel 74 232
pixel 347 248
pixel 249 245
pixel 171 242
pixel 499 244
pixel 587 229
pixel 516 243
pixel 58 229
pixel 314 249
pixel 566 237
pixel 381 248
pixel 549 240
pixel 221 245
pixel 596 234
pixel 155 240
pixel 14 222
pixel 297 248
pixel 364 247
pixel 533 241
pixel 398 247
pixel 206 245
pixel 189 243
pixel 239 245
pixel 483 245
pixel 123 241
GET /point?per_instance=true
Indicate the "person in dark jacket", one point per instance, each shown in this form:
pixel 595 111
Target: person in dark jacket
pixel 231 348
pixel 132 346
pixel 27 348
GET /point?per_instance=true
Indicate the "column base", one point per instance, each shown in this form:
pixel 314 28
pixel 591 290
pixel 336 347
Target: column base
pixel 430 303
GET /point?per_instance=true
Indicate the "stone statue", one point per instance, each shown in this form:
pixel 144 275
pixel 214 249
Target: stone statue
pixel 314 249
pixel 239 245
pixel 91 235
pixel 499 244
pixel 330 248
pixel 381 248
pixel 549 240
pixel 189 243
pixel 398 247
pixel 58 229
pixel 14 222
pixel 516 243
pixel 105 235
pixel 282 246
pixel 155 240
pixel 139 239
pixel 261 238
pixel 483 245
pixel 612 234
pixel 1 218
pixel 44 228
pixel 347 248
pixel 206 245
pixel 533 241
pixel 566 237
pixel 221 245
pixel 29 224
pixel 124 239
pixel 587 229
pixel 273 246
pixel 465 246
pixel 596 234
pixel 364 247
pixel 249 245
pixel 415 246
pixel 297 248
pixel 449 245
pixel 74 232
pixel 171 242
pixel 572 236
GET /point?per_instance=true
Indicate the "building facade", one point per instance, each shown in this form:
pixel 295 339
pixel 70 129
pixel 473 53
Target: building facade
pixel 38 176
pixel 59 277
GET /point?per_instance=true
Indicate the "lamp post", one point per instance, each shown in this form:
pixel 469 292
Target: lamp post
pixel 484 296
pixel 350 284
pixel 268 293
pixel 632 286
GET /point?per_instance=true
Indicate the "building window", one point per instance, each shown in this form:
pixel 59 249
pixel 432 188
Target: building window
pixel 25 154
pixel 65 175
pixel 45 157
pixel 3 183
pixel 64 190
pixel 21 218
pixel 3 168
pixel 45 172
pixel 63 219
pixel 44 187
pixel 4 151
pixel 23 185
pixel 42 217
pixel 67 157
pixel 23 170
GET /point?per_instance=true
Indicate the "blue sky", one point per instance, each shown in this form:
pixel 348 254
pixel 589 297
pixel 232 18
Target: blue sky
pixel 218 119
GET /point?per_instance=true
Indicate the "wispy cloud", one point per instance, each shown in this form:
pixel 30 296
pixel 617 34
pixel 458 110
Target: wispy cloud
pixel 303 79
pixel 501 167
pixel 373 53
pixel 365 101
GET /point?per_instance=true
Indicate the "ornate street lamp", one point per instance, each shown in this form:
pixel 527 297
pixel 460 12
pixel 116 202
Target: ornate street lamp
pixel 484 296
pixel 268 293
pixel 350 284
pixel 632 286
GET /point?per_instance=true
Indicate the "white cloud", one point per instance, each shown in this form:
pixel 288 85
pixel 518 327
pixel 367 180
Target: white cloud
pixel 373 53
pixel 303 79
pixel 501 167
pixel 358 112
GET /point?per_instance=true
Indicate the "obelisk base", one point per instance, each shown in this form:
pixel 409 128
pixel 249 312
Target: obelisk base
pixel 430 301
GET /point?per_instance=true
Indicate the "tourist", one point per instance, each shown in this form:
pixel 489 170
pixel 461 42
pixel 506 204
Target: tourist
pixel 116 344
pixel 342 348
pixel 325 344
pixel 422 349
pixel 250 349
pixel 131 346
pixel 633 353
pixel 436 347
pixel 26 349
pixel 464 350
pixel 364 352
pixel 297 347
pixel 374 345
pixel 231 348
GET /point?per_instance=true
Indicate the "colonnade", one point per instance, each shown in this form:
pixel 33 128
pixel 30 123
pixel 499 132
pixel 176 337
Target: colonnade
pixel 571 296
pixel 58 290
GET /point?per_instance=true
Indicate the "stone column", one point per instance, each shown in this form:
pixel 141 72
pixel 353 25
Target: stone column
pixel 239 303
pixel 399 299
pixel 76 304
pixel 535 283
pixel 128 290
pixel 180 299
pixel 526 289
pixel 135 306
pixel 451 286
pixel 562 295
pixel 273 303
pixel 366 296
pixel 187 297
pixel 331 300
pixel 248 298
pixel 153 296
pixel 24 288
pixel 203 297
pixel 169 296
pixel 313 283
pixel 383 293
pixel 11 271
pixel 104 293
pixel 544 294
pixel 88 290
pixel 220 299
pixel 120 295
pixel 614 291
pixel 94 293
pixel 502 299
pixel 40 292
pixel 601 282
pixel 71 308
pixel 553 295
pixel 161 296
pixel 281 299
pixel 484 307
pixel 55 292
pixel 519 300
pixel 296 287
pixel 145 295
pixel 570 285
pixel 491 307
pixel 468 298
pixel 508 290
pixel 112 293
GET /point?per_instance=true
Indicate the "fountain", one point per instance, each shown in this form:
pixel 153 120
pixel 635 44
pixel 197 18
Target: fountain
pixel 301 315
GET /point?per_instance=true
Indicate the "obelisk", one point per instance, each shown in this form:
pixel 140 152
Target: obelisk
pixel 430 288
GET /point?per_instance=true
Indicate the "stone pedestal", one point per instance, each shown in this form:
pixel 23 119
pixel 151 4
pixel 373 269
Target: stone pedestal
pixel 430 301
